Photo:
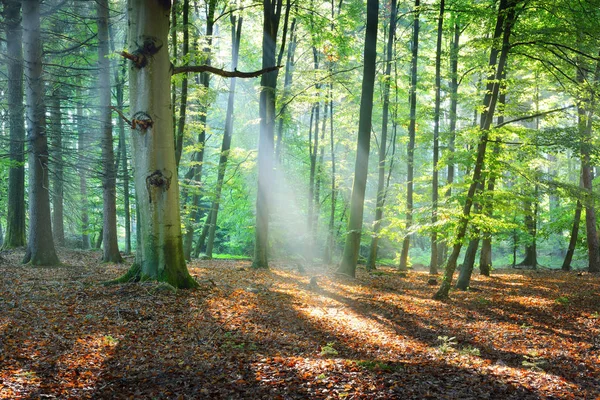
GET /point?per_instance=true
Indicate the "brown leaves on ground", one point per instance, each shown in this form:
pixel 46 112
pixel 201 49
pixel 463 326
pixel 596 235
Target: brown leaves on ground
pixel 277 335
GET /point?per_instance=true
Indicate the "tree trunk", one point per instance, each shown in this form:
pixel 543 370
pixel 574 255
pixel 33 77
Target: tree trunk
pixel 124 167
pixel 566 265
pixel 58 178
pixel 268 84
pixel 381 188
pixel 530 259
pixel 352 245
pixel 236 33
pixel 15 219
pixel 331 235
pixel 498 57
pixel 411 138
pixel 184 83
pixel 82 149
pixel 287 84
pixel 433 263
pixel 40 245
pixel 464 277
pixel 160 254
pixel 196 169
pixel 111 246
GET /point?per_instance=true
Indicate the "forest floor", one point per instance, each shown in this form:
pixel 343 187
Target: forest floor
pixel 273 335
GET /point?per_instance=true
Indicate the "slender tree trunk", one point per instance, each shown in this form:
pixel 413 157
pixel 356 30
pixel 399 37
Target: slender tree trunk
pixel 433 263
pixel 160 252
pixel 443 247
pixel 289 68
pixel 40 245
pixel 184 83
pixel 268 83
pixel 566 265
pixel 331 234
pixel 381 188
pixel 58 178
pixel 111 246
pixel 124 167
pixel 464 277
pixel 82 148
pixel 15 219
pixel 352 246
pixel 196 169
pixel 236 32
pixel 498 57
pixel 530 259
pixel 411 138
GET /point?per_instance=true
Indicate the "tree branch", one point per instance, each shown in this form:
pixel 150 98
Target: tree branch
pixel 541 114
pixel 221 72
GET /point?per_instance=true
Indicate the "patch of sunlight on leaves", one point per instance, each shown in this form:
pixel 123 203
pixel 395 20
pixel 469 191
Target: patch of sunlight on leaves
pixel 329 350
pixel 446 343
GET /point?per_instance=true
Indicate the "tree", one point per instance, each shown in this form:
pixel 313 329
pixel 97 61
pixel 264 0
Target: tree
pixel 411 136
pixel 352 245
pixel 268 84
pixel 111 246
pixel 160 253
pixel 381 188
pixel 15 220
pixel 40 245
pixel 436 142
pixel 498 56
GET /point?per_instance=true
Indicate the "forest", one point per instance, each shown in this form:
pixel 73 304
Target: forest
pixel 299 199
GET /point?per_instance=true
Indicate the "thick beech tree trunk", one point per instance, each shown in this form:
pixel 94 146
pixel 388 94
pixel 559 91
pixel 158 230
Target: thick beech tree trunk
pixel 381 188
pixel 40 245
pixel 268 84
pixel 160 252
pixel 412 126
pixel 498 57
pixel 15 219
pixel 433 263
pixel 109 189
pixel 357 200
pixel 236 33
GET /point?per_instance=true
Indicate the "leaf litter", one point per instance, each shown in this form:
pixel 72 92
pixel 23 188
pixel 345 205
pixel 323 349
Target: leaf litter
pixel 285 334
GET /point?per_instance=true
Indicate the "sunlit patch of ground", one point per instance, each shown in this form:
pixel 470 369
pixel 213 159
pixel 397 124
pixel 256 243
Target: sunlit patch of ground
pixel 288 334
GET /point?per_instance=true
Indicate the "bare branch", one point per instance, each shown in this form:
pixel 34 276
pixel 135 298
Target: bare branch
pixel 221 72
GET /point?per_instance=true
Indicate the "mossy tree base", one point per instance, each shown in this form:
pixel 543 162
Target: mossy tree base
pixel 135 274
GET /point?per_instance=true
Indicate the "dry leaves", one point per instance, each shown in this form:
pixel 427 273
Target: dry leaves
pixel 275 335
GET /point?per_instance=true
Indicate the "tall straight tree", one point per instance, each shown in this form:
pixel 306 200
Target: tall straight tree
pixel 498 56
pixel 268 84
pixel 109 232
pixel 236 33
pixel 40 245
pixel 436 142
pixel 381 189
pixel 412 127
pixel 160 251
pixel 361 166
pixel 58 175
pixel 15 220
pixel 82 146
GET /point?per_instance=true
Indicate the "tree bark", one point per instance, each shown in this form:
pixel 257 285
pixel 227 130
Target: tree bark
pixel 40 245
pixel 160 253
pixel 381 187
pixel 566 265
pixel 110 251
pixel 352 245
pixel 82 148
pixel 184 83
pixel 15 219
pixel 433 263
pixel 498 56
pixel 58 178
pixel 411 138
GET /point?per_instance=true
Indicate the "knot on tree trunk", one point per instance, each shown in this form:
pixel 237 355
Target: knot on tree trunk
pixel 141 120
pixel 158 180
pixel 142 55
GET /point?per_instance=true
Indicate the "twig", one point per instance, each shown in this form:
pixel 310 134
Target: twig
pixel 221 72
